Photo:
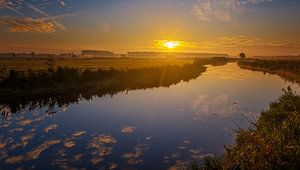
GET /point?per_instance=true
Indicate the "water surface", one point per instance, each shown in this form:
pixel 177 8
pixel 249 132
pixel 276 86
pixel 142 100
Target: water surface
pixel 152 128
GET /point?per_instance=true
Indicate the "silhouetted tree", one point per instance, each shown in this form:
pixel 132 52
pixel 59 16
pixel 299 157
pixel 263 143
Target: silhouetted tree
pixel 243 55
pixel 50 64
pixel 32 54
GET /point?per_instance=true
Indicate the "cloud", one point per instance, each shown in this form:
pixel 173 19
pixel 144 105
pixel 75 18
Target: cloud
pixel 105 27
pixel 206 105
pixel 35 153
pixel 135 158
pixel 223 10
pixel 78 133
pixel 50 128
pixel 102 146
pixel 25 122
pixel 61 3
pixel 32 17
pixel 69 143
pixel 233 45
pixel 14 159
pixel 128 129
pixel 44 14
pixel 5 4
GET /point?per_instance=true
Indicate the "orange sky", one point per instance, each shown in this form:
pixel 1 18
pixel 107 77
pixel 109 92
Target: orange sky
pixel 257 27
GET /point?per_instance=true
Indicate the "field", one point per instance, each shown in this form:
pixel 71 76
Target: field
pixel 116 63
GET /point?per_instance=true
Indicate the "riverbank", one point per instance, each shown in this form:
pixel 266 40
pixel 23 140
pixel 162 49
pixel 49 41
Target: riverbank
pixel 273 141
pixel 287 69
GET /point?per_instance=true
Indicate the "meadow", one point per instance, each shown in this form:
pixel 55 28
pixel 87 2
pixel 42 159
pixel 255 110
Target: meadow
pixel 23 64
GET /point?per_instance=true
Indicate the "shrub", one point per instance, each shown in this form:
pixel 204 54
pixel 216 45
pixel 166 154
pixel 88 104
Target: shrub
pixel 274 142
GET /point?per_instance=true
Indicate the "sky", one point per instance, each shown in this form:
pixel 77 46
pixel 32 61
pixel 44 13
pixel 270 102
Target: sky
pixel 256 27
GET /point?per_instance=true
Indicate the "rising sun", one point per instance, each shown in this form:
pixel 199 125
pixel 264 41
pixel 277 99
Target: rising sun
pixel 172 44
pixel 169 44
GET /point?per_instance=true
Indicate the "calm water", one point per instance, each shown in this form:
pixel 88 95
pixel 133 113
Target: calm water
pixel 155 128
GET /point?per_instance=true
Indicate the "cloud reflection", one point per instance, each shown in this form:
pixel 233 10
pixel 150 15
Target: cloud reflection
pixel 128 129
pixel 208 105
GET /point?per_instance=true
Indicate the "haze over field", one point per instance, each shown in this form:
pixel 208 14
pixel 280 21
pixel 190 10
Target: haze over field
pixel 257 27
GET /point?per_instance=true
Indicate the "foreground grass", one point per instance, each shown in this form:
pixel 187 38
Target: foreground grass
pixel 272 143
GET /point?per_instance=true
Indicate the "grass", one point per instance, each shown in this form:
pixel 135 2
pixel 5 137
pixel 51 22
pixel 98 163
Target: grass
pixel 102 63
pixel 64 86
pixel 39 65
pixel 272 143
pixel 286 69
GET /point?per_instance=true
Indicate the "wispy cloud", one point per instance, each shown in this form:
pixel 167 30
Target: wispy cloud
pixel 105 27
pixel 27 25
pixel 242 41
pixel 32 17
pixel 9 5
pixel 46 15
pixel 223 10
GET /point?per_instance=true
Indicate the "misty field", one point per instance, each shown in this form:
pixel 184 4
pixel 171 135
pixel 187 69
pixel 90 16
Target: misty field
pixel 115 63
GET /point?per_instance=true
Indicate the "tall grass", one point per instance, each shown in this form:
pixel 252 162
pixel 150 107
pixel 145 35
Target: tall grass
pixel 272 143
pixel 64 86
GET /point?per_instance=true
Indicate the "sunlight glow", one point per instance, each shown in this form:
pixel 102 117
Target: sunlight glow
pixel 171 44
pixel 168 44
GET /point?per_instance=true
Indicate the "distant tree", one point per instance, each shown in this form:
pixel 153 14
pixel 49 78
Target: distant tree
pixel 50 64
pixel 73 55
pixel 242 55
pixel 3 69
pixel 32 54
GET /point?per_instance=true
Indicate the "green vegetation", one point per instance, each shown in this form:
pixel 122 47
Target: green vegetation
pixel 36 64
pixel 214 61
pixel 46 64
pixel 21 90
pixel 63 86
pixel 286 69
pixel 272 143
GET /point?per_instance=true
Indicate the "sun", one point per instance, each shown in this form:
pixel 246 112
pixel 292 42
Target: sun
pixel 171 44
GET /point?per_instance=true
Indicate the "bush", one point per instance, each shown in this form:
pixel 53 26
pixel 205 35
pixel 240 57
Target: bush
pixel 274 142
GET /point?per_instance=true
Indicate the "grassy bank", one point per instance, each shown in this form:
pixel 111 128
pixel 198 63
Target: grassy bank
pixel 273 142
pixel 40 65
pixel 64 86
pixel 286 69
